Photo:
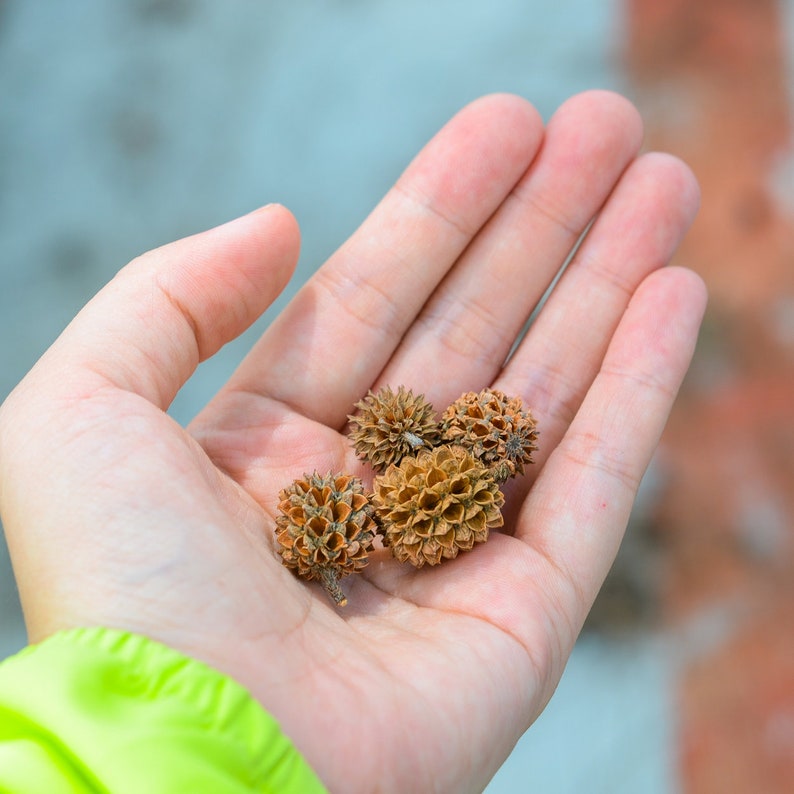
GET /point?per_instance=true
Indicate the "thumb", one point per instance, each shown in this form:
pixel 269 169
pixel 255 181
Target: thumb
pixel 175 306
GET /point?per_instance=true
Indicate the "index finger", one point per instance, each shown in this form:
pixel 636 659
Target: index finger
pixel 328 346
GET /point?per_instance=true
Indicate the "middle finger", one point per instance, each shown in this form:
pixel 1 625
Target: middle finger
pixel 467 328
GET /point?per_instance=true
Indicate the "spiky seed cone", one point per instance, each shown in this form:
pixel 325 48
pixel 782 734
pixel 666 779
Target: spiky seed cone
pixel 436 503
pixel 389 426
pixel 495 428
pixel 325 529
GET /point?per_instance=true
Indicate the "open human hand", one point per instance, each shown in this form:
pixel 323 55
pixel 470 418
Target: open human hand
pixel 116 516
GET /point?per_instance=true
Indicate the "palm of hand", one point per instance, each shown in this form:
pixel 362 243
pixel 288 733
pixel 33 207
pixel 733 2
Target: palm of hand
pixel 428 677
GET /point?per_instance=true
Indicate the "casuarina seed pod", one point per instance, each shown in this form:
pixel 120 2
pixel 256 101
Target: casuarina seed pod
pixel 435 504
pixel 390 425
pixel 495 428
pixel 325 530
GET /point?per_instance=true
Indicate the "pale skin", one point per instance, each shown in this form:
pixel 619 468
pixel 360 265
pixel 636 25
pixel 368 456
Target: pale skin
pixel 117 516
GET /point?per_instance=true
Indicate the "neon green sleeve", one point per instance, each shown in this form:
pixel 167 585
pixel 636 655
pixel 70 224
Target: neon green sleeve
pixel 99 710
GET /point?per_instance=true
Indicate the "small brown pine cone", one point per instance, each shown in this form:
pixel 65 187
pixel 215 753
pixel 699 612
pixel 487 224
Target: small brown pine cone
pixel 434 504
pixel 325 530
pixel 389 426
pixel 496 429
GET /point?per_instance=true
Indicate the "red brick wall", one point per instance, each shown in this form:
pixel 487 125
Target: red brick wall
pixel 710 79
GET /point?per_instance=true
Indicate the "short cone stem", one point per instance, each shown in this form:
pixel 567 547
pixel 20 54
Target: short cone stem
pixel 330 582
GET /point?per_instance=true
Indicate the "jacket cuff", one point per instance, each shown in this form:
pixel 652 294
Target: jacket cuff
pixel 96 709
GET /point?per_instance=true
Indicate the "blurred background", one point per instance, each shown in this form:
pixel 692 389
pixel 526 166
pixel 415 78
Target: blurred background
pixel 127 125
